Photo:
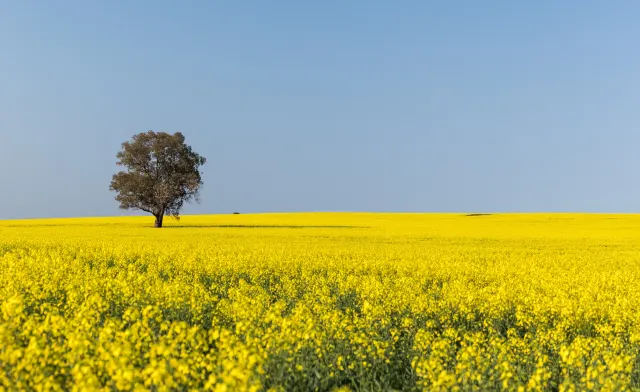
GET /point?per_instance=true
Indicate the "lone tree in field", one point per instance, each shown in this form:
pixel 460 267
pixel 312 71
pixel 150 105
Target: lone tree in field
pixel 162 174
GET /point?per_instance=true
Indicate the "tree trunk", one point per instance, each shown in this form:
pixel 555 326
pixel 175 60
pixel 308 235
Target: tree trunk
pixel 158 223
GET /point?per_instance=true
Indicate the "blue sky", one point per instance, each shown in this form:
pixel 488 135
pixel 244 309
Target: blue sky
pixel 326 105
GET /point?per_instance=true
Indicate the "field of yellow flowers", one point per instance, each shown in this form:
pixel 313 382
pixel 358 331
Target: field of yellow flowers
pixel 322 301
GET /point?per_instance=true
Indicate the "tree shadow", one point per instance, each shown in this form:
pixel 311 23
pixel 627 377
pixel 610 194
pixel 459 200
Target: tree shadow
pixel 262 227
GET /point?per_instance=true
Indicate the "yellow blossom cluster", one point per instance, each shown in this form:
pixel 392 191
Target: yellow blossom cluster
pixel 322 301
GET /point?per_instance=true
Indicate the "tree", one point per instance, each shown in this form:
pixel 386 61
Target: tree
pixel 162 174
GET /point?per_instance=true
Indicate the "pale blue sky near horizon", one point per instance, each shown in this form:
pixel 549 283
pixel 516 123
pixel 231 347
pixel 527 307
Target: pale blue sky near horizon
pixel 457 106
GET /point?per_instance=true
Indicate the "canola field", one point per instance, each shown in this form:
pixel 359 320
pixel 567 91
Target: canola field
pixel 322 302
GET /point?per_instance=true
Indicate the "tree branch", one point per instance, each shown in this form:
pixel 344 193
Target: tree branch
pixel 144 209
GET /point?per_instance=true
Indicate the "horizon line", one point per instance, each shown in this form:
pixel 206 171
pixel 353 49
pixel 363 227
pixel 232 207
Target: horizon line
pixel 471 212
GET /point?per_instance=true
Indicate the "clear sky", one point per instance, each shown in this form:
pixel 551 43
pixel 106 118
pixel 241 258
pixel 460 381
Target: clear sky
pixel 326 105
